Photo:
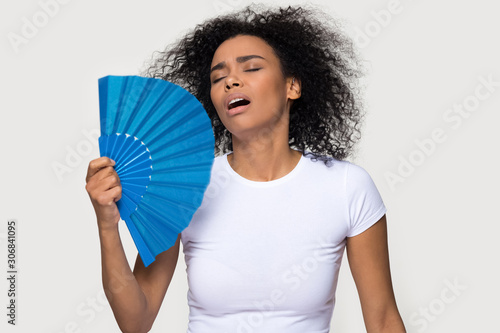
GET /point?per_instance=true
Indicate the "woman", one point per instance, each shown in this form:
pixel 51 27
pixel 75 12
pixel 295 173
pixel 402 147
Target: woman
pixel 263 251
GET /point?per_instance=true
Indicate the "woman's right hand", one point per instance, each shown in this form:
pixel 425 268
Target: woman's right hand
pixel 104 189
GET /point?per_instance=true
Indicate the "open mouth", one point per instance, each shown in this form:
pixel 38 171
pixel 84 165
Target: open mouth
pixel 237 102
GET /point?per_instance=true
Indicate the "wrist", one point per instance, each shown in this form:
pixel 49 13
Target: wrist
pixel 109 231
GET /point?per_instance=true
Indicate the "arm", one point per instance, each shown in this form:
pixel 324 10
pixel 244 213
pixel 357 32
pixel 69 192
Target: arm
pixel 368 257
pixel 135 298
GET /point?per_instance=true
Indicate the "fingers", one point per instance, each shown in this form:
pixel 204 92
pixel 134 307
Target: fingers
pixel 98 164
pixel 104 189
pixel 103 184
pixel 105 179
pixel 109 196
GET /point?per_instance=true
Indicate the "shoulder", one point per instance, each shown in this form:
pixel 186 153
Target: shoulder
pixel 219 162
pixel 353 177
pixel 327 164
pixel 356 175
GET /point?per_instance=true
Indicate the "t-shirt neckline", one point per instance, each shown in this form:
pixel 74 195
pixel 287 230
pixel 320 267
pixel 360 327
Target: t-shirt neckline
pixel 255 183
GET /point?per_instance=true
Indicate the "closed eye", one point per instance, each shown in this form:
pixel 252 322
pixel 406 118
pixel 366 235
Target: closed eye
pixel 248 70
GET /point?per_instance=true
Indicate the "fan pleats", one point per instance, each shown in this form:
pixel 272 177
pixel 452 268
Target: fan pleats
pixel 162 141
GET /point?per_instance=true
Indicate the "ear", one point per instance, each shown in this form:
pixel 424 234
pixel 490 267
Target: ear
pixel 294 87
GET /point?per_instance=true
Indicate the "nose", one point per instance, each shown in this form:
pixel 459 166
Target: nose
pixel 232 81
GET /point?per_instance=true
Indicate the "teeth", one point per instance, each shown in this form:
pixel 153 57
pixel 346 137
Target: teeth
pixel 235 100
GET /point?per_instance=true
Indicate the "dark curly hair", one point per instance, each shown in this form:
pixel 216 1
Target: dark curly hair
pixel 325 120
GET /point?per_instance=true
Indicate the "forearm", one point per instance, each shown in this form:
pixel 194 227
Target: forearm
pixel 385 321
pixel 125 296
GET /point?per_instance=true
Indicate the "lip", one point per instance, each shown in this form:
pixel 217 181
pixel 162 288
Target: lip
pixel 238 109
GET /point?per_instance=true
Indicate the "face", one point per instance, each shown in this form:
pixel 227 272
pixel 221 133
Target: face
pixel 248 89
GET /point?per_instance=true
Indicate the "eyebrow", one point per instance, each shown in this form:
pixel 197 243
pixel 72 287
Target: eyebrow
pixel 241 59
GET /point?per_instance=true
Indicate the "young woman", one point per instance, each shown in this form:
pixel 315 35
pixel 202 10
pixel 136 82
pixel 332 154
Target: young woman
pixel 263 251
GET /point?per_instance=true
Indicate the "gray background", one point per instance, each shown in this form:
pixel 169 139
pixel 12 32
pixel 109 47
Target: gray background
pixel 428 57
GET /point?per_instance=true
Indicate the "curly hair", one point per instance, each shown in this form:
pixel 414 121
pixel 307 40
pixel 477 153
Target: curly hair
pixel 325 120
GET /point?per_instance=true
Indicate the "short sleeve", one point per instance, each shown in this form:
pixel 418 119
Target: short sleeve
pixel 365 205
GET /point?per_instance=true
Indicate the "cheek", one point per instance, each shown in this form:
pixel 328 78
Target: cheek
pixel 277 94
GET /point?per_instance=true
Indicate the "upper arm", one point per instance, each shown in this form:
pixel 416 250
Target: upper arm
pixel 368 258
pixel 155 279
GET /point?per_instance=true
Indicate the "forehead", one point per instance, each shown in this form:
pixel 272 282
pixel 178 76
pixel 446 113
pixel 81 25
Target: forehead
pixel 242 45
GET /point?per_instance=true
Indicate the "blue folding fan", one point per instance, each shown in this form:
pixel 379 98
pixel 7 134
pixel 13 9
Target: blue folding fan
pixel 162 141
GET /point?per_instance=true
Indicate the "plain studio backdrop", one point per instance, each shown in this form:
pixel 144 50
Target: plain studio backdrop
pixel 430 144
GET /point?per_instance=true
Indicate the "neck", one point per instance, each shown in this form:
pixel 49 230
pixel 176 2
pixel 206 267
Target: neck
pixel 264 158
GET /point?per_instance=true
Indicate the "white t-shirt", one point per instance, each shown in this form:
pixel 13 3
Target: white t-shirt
pixel 264 257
